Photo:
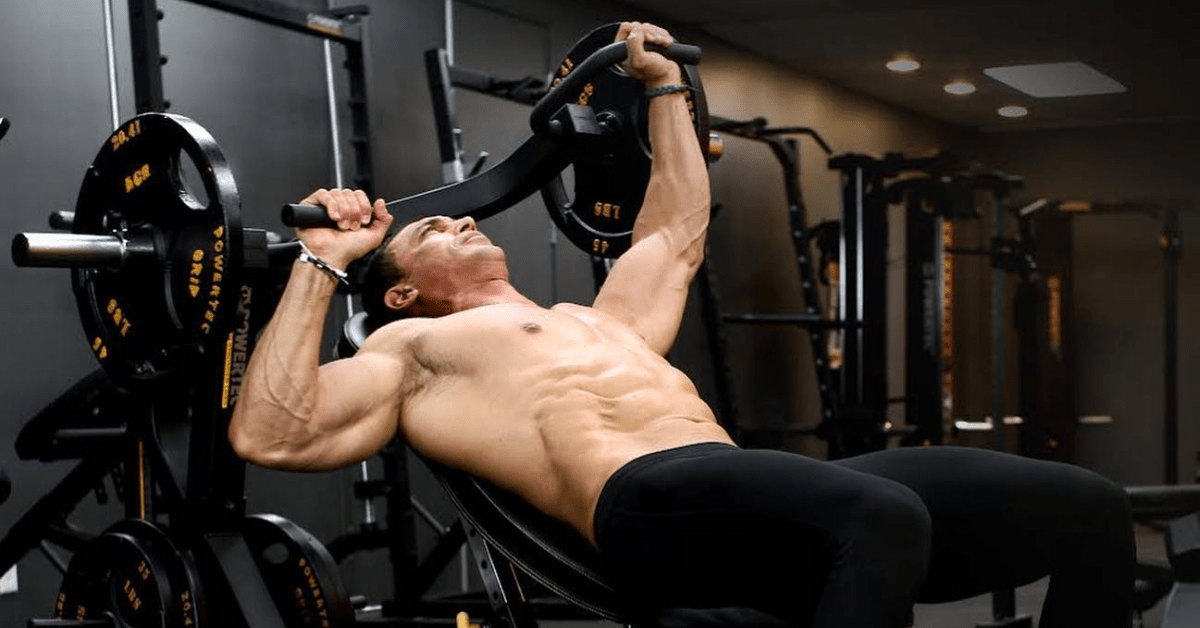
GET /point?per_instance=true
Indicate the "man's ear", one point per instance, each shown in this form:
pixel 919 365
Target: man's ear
pixel 400 297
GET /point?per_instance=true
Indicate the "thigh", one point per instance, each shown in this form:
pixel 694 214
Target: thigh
pixel 719 530
pixel 996 517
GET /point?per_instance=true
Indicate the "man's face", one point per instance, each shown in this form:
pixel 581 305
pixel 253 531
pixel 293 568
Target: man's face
pixel 439 253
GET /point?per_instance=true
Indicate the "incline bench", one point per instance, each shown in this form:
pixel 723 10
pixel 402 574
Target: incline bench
pixel 504 530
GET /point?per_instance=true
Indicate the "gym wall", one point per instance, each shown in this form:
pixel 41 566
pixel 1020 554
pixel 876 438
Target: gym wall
pixel 1118 272
pixel 260 92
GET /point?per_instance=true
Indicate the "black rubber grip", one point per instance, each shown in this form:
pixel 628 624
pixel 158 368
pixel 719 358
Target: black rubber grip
pixel 686 54
pixel 306 217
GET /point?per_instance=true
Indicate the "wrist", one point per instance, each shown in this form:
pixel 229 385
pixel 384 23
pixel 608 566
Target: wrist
pixel 328 255
pixel 333 268
pixel 672 77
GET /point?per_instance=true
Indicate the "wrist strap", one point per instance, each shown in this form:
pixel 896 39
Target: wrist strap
pixel 307 256
pixel 667 89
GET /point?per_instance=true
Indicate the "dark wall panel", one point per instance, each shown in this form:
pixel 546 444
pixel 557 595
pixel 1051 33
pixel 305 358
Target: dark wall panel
pixel 1118 267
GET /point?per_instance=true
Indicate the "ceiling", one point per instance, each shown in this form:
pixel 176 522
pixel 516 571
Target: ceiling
pixel 1150 46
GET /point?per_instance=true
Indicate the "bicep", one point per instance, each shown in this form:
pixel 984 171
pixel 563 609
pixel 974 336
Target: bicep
pixel 647 289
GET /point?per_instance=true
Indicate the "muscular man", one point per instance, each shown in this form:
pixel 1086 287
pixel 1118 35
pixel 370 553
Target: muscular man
pixel 575 410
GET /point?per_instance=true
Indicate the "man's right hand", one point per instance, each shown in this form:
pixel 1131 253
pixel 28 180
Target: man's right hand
pixel 649 68
pixel 361 226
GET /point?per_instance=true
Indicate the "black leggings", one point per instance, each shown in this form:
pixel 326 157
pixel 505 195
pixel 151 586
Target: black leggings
pixel 856 542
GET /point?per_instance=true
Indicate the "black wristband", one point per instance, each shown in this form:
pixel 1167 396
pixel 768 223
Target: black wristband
pixel 667 89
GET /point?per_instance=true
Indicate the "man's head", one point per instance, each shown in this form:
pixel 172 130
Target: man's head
pixel 428 268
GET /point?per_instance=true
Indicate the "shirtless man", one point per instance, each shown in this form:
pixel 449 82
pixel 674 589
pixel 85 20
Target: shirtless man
pixel 576 410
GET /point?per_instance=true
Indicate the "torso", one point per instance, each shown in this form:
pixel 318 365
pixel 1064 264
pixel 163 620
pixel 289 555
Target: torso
pixel 544 403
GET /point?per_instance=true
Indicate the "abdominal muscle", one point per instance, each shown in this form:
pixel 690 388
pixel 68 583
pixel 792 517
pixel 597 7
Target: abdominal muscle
pixel 548 404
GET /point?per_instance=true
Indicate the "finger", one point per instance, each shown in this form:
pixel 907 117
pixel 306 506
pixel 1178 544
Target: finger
pixel 382 219
pixel 343 218
pixel 325 198
pixel 364 207
pixel 355 217
pixel 623 30
pixel 660 36
pixel 332 207
pixel 348 210
pixel 636 44
pixel 311 199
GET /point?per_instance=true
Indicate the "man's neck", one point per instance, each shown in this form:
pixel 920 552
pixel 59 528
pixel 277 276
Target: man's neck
pixel 492 292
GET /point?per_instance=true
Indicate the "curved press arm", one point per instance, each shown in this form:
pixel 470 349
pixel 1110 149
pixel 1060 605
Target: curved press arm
pixel 524 172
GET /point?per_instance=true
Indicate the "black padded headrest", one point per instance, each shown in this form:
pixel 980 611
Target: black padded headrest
pixel 354 334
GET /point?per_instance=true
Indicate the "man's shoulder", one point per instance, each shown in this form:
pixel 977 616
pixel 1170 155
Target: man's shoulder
pixel 585 312
pixel 590 315
pixel 395 333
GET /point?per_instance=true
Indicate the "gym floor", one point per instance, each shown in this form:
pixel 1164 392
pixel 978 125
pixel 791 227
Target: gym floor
pixel 976 611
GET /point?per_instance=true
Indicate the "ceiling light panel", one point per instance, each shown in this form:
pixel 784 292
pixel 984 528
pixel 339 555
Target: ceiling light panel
pixel 1056 80
pixel 903 65
pixel 959 88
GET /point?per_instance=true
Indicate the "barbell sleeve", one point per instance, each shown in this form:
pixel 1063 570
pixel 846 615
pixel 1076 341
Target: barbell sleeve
pixel 76 250
pixel 600 60
pixel 306 217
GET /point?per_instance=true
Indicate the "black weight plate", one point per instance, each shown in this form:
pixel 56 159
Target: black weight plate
pixel 80 594
pixel 300 573
pixel 157 313
pixel 611 179
pixel 134 574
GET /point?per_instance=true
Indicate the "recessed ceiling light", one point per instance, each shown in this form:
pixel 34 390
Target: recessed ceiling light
pixel 1013 111
pixel 903 64
pixel 1053 80
pixel 959 88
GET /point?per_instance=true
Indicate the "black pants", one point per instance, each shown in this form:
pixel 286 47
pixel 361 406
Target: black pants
pixel 855 542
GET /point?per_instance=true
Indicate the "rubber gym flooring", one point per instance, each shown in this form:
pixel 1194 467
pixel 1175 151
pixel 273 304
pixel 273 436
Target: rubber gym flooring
pixel 972 612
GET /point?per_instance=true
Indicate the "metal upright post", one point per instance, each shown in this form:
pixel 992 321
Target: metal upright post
pixel 1172 244
pixel 999 318
pixel 360 119
pixel 147 56
pixel 111 61
pixel 1004 602
pixel 788 154
pixel 718 346
pixel 924 304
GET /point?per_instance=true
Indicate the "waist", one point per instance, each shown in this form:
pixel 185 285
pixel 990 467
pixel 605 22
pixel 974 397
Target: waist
pixel 611 491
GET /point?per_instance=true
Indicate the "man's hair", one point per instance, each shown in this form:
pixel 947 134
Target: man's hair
pixel 382 274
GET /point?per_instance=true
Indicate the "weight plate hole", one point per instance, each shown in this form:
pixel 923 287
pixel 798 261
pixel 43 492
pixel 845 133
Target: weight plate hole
pixel 275 553
pixel 191 184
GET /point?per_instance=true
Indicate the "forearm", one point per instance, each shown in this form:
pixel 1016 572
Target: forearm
pixel 677 198
pixel 273 416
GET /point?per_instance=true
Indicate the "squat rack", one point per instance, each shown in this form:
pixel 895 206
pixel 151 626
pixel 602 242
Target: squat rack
pixel 786 151
pixel 341 25
pixel 344 26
